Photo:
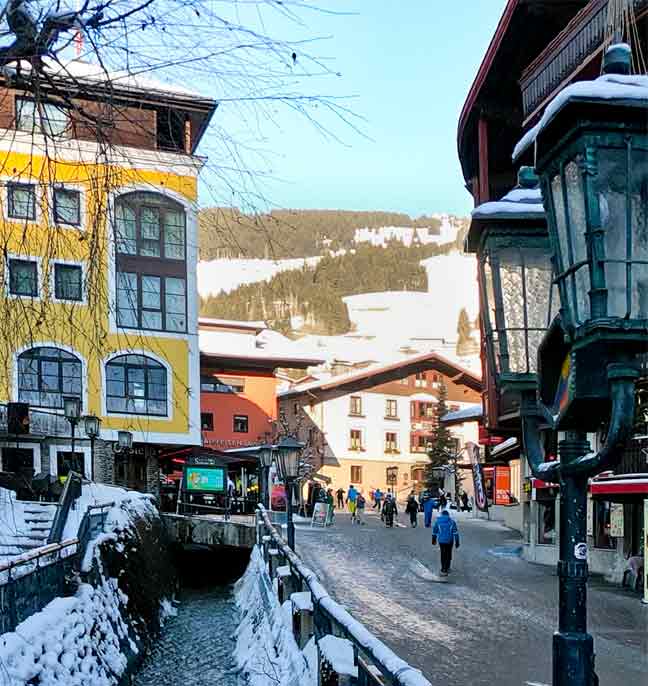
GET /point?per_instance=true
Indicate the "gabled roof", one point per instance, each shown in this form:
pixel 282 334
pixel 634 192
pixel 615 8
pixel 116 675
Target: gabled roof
pixel 378 374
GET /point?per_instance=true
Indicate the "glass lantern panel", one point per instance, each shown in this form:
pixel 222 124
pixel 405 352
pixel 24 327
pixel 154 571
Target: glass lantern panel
pixel 489 294
pixel 563 259
pixel 639 219
pixel 578 226
pixel 538 275
pixel 610 187
pixel 513 306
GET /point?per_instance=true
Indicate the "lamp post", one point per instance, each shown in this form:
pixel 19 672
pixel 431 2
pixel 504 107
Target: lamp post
pixel 289 451
pixel 592 159
pixel 266 452
pixel 72 412
pixel 512 245
pixel 91 426
pixel 124 444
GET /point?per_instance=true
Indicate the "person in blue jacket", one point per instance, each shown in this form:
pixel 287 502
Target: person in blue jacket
pixel 429 503
pixel 446 533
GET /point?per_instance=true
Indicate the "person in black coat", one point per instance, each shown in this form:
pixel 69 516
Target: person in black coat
pixel 389 510
pixel 412 508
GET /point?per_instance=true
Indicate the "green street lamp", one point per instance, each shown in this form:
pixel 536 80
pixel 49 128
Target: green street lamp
pixel 510 239
pixel 266 455
pixel 591 149
pixel 288 454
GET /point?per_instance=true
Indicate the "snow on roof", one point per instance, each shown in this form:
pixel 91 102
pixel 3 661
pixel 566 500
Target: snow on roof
pixel 210 322
pixel 95 74
pixel 472 413
pixel 631 90
pixel 266 345
pixel 375 369
pixel 526 202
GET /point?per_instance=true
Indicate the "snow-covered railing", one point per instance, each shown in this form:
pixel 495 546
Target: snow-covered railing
pixel 30 581
pixel 374 662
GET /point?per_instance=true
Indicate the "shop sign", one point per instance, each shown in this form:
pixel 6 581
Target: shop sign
pixel 205 479
pixel 481 501
pixel 617 526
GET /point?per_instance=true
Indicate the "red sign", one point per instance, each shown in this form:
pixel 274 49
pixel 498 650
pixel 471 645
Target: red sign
pixel 486 438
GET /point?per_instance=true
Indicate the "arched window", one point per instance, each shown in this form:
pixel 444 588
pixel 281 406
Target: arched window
pixel 136 384
pixel 45 375
pixel 151 262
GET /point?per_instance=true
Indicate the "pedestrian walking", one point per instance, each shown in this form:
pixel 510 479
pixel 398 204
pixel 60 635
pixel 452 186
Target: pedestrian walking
pixel 360 508
pixel 412 509
pixel 443 502
pixel 377 499
pixel 445 532
pixel 464 502
pixel 351 501
pixel 389 510
pixel 340 497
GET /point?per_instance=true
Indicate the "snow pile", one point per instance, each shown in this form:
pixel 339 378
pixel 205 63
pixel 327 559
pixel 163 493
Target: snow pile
pixel 266 651
pixel 338 652
pixel 78 641
pixel 225 275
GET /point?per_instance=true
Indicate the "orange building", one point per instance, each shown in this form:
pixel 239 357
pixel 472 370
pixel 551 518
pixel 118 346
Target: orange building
pixel 238 383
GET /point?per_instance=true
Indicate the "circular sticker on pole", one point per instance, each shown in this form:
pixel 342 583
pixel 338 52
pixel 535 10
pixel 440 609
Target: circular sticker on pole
pixel 580 551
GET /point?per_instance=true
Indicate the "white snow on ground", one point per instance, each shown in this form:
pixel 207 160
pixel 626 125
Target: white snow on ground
pixel 226 274
pixel 71 642
pixel 266 651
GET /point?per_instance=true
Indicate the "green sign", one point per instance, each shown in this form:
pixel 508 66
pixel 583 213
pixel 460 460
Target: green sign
pixel 211 479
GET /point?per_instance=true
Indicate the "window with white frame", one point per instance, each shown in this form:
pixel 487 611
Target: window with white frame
pixel 68 282
pixel 391 408
pixel 136 384
pixel 151 286
pixel 23 277
pixel 355 439
pixel 46 375
pixel 391 442
pixel 21 201
pixel 67 206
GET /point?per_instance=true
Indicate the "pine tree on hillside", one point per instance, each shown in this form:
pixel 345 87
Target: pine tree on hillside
pixel 442 444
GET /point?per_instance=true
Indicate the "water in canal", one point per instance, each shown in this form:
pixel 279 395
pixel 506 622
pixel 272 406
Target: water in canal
pixel 196 647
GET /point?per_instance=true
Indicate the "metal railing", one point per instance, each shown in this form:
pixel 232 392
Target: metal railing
pixel 31 581
pixel 580 40
pixel 377 664
pixel 71 491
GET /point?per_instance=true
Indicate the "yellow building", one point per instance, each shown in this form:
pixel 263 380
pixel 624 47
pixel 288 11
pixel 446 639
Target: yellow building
pixel 98 298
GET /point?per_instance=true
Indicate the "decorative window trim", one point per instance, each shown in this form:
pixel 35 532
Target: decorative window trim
pixel 37 459
pixel 129 415
pixel 52 282
pixel 77 188
pixel 55 449
pixel 39 279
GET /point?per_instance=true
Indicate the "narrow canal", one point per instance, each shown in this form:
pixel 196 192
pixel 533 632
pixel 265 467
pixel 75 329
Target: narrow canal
pixel 196 647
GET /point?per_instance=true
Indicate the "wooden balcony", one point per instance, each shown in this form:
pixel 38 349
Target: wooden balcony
pixel 575 48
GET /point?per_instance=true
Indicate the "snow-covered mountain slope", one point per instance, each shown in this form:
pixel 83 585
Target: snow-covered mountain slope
pixel 227 274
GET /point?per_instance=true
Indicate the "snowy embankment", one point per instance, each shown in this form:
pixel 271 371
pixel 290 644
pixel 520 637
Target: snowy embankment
pixel 89 638
pixel 266 651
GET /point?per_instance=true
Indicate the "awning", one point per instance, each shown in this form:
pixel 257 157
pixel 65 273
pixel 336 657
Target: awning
pixel 505 447
pixel 539 483
pixel 620 485
pixel 472 413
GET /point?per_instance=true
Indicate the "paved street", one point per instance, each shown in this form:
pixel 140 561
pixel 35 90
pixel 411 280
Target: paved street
pixel 490 624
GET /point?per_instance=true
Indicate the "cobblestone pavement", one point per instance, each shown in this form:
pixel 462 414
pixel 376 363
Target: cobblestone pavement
pixel 490 624
pixel 196 647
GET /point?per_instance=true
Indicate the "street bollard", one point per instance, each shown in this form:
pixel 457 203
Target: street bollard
pixel 303 627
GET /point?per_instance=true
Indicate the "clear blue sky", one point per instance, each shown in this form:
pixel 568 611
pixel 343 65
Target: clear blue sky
pixel 409 67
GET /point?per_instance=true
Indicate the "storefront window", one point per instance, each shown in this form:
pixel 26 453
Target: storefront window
pixel 602 538
pixel 547 521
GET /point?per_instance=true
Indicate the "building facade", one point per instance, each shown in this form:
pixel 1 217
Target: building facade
pixel 539 48
pixel 99 297
pixel 370 428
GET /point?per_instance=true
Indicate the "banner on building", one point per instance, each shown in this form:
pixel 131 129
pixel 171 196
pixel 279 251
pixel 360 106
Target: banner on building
pixel 481 501
pixel 617 523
